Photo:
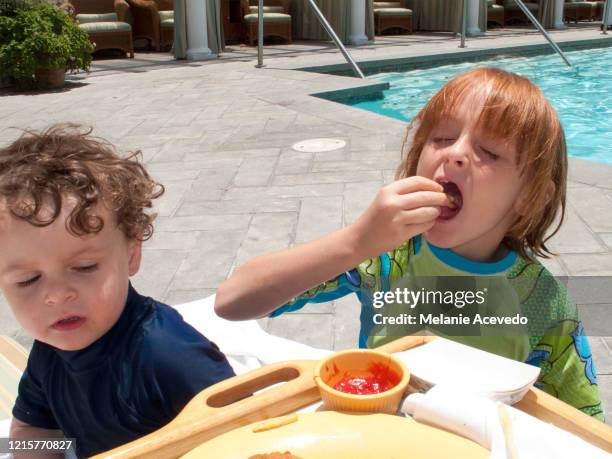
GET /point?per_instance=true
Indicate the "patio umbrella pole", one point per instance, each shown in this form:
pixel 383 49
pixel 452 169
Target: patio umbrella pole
pixel 464 23
pixel 335 38
pixel 538 26
pixel 260 33
pixel 606 11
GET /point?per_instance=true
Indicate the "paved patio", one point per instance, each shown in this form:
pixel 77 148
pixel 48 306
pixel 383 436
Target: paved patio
pixel 218 135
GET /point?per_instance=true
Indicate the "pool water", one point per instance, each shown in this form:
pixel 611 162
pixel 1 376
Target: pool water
pixel 582 95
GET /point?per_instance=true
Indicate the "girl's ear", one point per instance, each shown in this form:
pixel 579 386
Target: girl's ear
pixel 135 255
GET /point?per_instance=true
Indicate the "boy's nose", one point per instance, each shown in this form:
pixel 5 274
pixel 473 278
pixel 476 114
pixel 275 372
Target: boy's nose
pixel 458 153
pixel 58 294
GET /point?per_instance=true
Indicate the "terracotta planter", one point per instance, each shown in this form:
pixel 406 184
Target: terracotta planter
pixel 49 78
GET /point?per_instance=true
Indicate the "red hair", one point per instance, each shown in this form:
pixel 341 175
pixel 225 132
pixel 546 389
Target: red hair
pixel 514 111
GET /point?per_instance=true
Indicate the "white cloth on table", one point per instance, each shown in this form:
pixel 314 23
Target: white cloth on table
pixel 246 345
pixel 477 418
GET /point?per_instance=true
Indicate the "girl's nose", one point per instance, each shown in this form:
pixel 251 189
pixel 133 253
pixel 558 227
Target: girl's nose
pixel 59 293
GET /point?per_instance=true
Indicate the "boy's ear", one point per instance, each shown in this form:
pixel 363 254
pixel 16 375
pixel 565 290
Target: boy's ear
pixel 550 191
pixel 135 255
pixel 520 207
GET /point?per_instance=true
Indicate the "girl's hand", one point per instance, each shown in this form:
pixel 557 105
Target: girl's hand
pixel 400 211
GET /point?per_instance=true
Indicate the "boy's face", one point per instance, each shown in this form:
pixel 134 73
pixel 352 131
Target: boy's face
pixel 482 176
pixel 64 290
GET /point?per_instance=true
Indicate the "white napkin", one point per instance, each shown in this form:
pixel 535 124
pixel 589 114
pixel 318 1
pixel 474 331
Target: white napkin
pixel 246 345
pixel 443 361
pixel 477 419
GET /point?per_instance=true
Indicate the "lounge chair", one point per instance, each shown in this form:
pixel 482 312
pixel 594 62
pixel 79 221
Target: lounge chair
pixel 495 13
pixel 277 20
pixel 391 15
pixel 153 20
pixel 512 12
pixel 575 10
pixel 13 360
pixel 105 23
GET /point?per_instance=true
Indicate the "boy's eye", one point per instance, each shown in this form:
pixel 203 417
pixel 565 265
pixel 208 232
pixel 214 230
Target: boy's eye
pixel 86 269
pixel 443 139
pixel 29 281
pixel 490 154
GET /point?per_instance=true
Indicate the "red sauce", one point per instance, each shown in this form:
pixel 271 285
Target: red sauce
pixel 381 379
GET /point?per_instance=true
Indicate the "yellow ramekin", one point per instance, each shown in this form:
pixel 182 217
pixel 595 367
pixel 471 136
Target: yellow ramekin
pixel 355 363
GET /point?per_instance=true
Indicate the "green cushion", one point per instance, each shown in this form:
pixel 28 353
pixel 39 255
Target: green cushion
pixel 163 15
pixel 268 17
pixel 99 27
pixel 267 9
pixel 377 5
pixel 511 6
pixel 102 17
pixel 393 12
pixel 169 23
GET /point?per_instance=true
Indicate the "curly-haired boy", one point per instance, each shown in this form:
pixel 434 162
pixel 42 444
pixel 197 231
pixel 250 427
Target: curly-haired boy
pixel 107 365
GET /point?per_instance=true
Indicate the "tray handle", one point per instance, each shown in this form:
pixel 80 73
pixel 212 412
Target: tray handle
pixel 285 387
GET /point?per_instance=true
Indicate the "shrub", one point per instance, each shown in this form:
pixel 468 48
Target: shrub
pixel 38 35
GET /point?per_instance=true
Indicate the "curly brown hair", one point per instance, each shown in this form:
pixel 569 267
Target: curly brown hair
pixel 43 168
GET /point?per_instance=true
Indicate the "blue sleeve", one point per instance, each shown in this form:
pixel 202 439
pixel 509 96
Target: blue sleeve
pixel 31 405
pixel 331 290
pixel 182 364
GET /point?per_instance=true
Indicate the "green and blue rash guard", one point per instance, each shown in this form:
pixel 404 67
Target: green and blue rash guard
pixel 554 339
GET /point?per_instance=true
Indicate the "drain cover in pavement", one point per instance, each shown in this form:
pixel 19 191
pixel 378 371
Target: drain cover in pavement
pixel 319 145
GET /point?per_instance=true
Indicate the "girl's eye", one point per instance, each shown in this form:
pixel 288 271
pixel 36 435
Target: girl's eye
pixel 86 269
pixel 29 281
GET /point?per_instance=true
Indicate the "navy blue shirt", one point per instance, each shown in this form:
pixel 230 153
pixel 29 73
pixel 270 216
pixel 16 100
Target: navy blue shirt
pixel 132 381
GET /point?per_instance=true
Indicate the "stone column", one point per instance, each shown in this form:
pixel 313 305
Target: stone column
pixel 559 24
pixel 197 31
pixel 357 34
pixel 472 18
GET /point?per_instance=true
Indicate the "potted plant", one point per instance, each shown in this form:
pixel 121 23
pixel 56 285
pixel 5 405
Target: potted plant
pixel 39 42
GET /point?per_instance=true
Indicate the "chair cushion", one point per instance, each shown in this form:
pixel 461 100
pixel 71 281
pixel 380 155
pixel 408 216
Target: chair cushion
pixel 267 9
pixel 377 5
pixel 511 6
pixel 393 12
pixel 163 15
pixel 100 27
pixel 102 17
pixel 269 17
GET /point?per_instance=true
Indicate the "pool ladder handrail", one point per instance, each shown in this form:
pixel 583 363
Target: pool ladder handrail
pixel 328 28
pixel 533 20
pixel 606 12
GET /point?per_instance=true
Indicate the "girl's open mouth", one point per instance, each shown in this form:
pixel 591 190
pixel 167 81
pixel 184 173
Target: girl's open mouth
pixel 454 195
pixel 69 323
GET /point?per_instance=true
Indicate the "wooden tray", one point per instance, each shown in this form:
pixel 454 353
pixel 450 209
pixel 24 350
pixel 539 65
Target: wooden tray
pixel 231 404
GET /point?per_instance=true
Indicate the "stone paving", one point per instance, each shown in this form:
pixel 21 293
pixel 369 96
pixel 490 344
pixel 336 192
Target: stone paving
pixel 218 135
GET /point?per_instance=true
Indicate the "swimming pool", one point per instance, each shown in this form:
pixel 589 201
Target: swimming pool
pixel 582 94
